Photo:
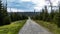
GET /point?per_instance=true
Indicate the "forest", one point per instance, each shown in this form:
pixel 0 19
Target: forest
pixel 5 18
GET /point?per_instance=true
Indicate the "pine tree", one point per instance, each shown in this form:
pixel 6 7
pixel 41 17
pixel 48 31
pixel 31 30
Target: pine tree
pixel 41 14
pixel 1 16
pixel 52 15
pixel 55 19
pixel 45 15
pixel 58 21
pixel 4 18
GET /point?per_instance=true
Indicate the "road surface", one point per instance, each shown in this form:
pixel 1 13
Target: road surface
pixel 32 27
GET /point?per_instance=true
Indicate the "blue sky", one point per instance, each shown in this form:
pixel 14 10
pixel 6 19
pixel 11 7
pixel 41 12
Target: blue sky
pixel 27 5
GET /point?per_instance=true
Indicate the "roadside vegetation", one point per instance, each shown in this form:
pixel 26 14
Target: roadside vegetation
pixel 13 28
pixel 50 25
pixel 49 20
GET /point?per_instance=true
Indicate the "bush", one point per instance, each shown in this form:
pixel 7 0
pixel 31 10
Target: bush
pixel 6 20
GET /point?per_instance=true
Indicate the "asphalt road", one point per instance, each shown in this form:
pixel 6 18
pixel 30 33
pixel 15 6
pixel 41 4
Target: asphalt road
pixel 32 27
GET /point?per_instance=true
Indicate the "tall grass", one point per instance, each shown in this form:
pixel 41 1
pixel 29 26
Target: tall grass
pixel 13 28
pixel 51 26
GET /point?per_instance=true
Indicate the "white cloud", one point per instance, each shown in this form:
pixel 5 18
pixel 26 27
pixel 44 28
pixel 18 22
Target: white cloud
pixel 39 3
pixel 25 0
pixel 55 2
pixel 14 10
pixel 18 10
pixel 10 0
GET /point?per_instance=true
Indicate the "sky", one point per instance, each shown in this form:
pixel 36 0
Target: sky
pixel 27 5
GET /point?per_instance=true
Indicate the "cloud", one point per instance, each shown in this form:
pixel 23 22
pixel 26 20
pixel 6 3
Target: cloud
pixel 22 5
pixel 26 5
pixel 14 10
pixel 39 4
pixel 18 10
pixel 26 0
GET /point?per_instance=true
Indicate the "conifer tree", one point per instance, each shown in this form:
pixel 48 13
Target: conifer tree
pixel 45 15
pixel 4 18
pixel 1 16
pixel 41 14
pixel 58 21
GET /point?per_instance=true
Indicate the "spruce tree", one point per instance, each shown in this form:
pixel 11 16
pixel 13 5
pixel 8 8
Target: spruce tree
pixel 41 14
pixel 58 16
pixel 45 15
pixel 4 17
pixel 52 15
pixel 1 16
pixel 55 19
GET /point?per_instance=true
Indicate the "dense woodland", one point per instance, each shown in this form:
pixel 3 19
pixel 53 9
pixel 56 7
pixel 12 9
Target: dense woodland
pixel 5 18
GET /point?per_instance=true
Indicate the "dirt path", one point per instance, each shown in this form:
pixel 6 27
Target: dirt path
pixel 32 27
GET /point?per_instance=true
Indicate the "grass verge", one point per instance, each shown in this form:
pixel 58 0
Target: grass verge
pixel 13 28
pixel 51 26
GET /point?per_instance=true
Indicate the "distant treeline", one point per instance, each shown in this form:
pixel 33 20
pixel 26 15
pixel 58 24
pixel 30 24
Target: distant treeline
pixel 25 13
pixel 53 16
pixel 16 16
pixel 5 18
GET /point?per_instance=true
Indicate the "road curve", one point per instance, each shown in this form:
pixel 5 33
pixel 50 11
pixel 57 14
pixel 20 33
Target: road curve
pixel 32 27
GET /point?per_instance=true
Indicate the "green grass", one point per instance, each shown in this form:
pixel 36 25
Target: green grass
pixel 13 28
pixel 51 26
